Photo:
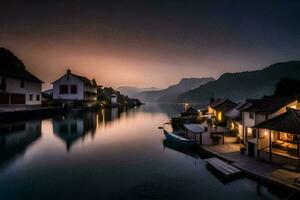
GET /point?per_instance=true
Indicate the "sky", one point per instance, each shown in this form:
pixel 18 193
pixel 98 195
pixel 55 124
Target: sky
pixel 149 43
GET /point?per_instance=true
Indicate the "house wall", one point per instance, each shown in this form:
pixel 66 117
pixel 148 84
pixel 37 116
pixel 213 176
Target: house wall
pixel 259 118
pixel 240 130
pixel 13 86
pixel 73 80
pixel 221 109
pixel 263 141
pixel 34 89
pixel 247 120
pixel 90 90
pixel 282 110
pixel 247 124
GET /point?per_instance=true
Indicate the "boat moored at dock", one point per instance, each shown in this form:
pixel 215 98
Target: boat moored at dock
pixel 176 138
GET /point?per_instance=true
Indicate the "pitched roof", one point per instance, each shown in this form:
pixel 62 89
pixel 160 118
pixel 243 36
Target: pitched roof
pixel 235 112
pixel 191 110
pixel 268 105
pixel 11 66
pixel 84 79
pixel 219 105
pixel 217 102
pixel 288 122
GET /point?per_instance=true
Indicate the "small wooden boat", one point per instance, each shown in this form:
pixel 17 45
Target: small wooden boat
pixel 187 151
pixel 175 138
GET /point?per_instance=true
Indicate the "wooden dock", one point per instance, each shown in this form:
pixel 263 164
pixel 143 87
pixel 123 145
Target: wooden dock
pixel 223 168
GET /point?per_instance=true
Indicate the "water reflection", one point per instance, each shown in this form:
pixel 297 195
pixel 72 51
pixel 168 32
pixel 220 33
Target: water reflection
pixel 15 138
pixel 170 110
pixel 173 147
pixel 74 126
pixel 107 115
pixel 118 145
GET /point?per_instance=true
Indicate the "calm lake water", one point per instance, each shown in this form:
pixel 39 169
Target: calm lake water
pixel 108 155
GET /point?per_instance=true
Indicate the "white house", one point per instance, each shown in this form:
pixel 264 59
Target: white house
pixel 113 99
pixel 71 87
pixel 278 139
pixel 258 111
pixel 17 85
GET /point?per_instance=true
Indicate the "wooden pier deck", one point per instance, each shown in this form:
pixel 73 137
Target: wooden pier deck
pixel 223 168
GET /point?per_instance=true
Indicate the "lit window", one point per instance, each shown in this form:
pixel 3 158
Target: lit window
pixel 220 116
pixel 294 106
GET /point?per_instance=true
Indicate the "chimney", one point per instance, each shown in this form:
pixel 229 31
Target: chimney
pixel 68 71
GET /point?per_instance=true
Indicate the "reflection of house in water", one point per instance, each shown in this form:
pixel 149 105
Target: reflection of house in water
pixel 73 126
pixel 15 139
pixel 107 115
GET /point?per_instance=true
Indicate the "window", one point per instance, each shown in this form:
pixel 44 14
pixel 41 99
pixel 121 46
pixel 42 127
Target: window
pixel 22 84
pixel 73 89
pixel 251 115
pixel 30 97
pixel 3 83
pixel 63 89
pixel 38 97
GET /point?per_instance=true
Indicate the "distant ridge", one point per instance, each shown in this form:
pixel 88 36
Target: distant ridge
pixel 171 93
pixel 133 91
pixel 243 85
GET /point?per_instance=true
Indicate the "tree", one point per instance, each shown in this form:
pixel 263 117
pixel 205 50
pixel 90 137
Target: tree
pixel 287 87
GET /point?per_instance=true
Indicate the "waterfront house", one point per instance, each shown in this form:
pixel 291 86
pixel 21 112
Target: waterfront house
pixel 234 119
pixel 113 99
pixel 257 111
pixel 219 107
pixel 72 88
pixel 18 86
pixel 278 138
pixel 190 111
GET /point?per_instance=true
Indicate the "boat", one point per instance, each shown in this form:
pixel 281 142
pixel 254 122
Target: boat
pixel 176 138
pixel 174 147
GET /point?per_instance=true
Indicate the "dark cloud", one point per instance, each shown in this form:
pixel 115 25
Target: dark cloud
pixel 203 37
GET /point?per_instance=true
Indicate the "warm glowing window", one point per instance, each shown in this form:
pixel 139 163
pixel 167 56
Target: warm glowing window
pixel 220 116
pixel 249 131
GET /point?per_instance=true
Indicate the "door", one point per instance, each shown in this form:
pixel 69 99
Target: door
pixel 251 149
pixel 17 98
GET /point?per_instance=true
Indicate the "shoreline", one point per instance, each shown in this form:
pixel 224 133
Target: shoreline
pixel 44 112
pixel 251 173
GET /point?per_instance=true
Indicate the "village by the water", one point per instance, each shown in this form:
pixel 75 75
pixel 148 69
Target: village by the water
pixel 254 138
